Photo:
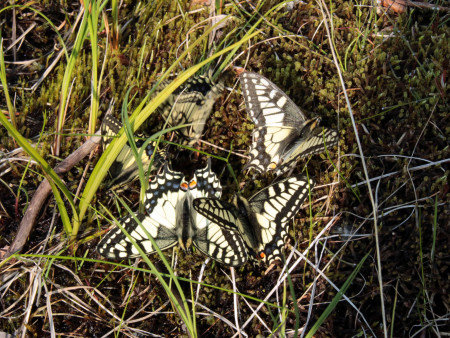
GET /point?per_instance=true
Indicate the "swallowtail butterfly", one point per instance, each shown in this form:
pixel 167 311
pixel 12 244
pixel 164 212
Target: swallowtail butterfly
pixel 282 133
pixel 191 103
pixel 171 220
pixel 263 218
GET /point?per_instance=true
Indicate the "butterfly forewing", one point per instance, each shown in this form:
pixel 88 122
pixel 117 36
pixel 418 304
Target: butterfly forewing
pixel 191 103
pixel 217 211
pixel 274 206
pixel 267 104
pixel 220 239
pixel 116 244
pixel 223 245
pixel 280 127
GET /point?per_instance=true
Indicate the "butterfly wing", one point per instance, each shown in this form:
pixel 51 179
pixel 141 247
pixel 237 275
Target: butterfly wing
pixel 191 103
pixel 160 202
pixel 267 104
pixel 280 126
pixel 272 208
pixel 276 117
pixel 116 245
pixel 220 239
pixel 162 196
pixel 208 184
pixel 124 169
pixel 223 245
pixel 312 143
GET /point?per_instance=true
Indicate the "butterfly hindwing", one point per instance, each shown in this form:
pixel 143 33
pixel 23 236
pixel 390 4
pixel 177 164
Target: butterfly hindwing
pixel 191 103
pixel 208 185
pixel 162 196
pixel 282 132
pixel 313 143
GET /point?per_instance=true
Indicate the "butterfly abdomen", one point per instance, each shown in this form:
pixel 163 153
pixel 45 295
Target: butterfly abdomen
pixel 185 221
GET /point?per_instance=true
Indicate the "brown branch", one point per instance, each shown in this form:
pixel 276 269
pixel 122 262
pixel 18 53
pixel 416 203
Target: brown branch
pixel 44 190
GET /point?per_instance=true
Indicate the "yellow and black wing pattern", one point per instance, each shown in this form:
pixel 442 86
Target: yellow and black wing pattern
pixel 191 103
pixel 282 133
pixel 263 219
pixel 172 220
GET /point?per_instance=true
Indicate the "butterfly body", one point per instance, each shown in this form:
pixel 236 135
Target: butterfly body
pixel 172 220
pixel 263 218
pixel 282 132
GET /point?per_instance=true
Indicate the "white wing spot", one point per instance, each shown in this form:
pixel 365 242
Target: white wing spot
pixel 281 102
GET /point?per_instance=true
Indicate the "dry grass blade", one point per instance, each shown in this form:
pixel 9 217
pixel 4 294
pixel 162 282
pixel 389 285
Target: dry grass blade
pixel 281 279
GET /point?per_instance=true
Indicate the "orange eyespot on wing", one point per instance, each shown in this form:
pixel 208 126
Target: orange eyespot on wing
pixel 184 186
pixel 262 255
pixel 272 166
pixel 192 184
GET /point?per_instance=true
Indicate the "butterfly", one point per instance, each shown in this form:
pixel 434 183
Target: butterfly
pixel 263 218
pixel 171 220
pixel 191 103
pixel 125 168
pixel 282 133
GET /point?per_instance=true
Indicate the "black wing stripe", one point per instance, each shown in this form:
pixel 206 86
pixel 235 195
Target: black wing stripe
pixel 116 244
pixel 216 211
pixel 279 138
pixel 191 103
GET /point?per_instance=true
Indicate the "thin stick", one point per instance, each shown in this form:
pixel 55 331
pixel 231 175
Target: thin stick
pixel 44 190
